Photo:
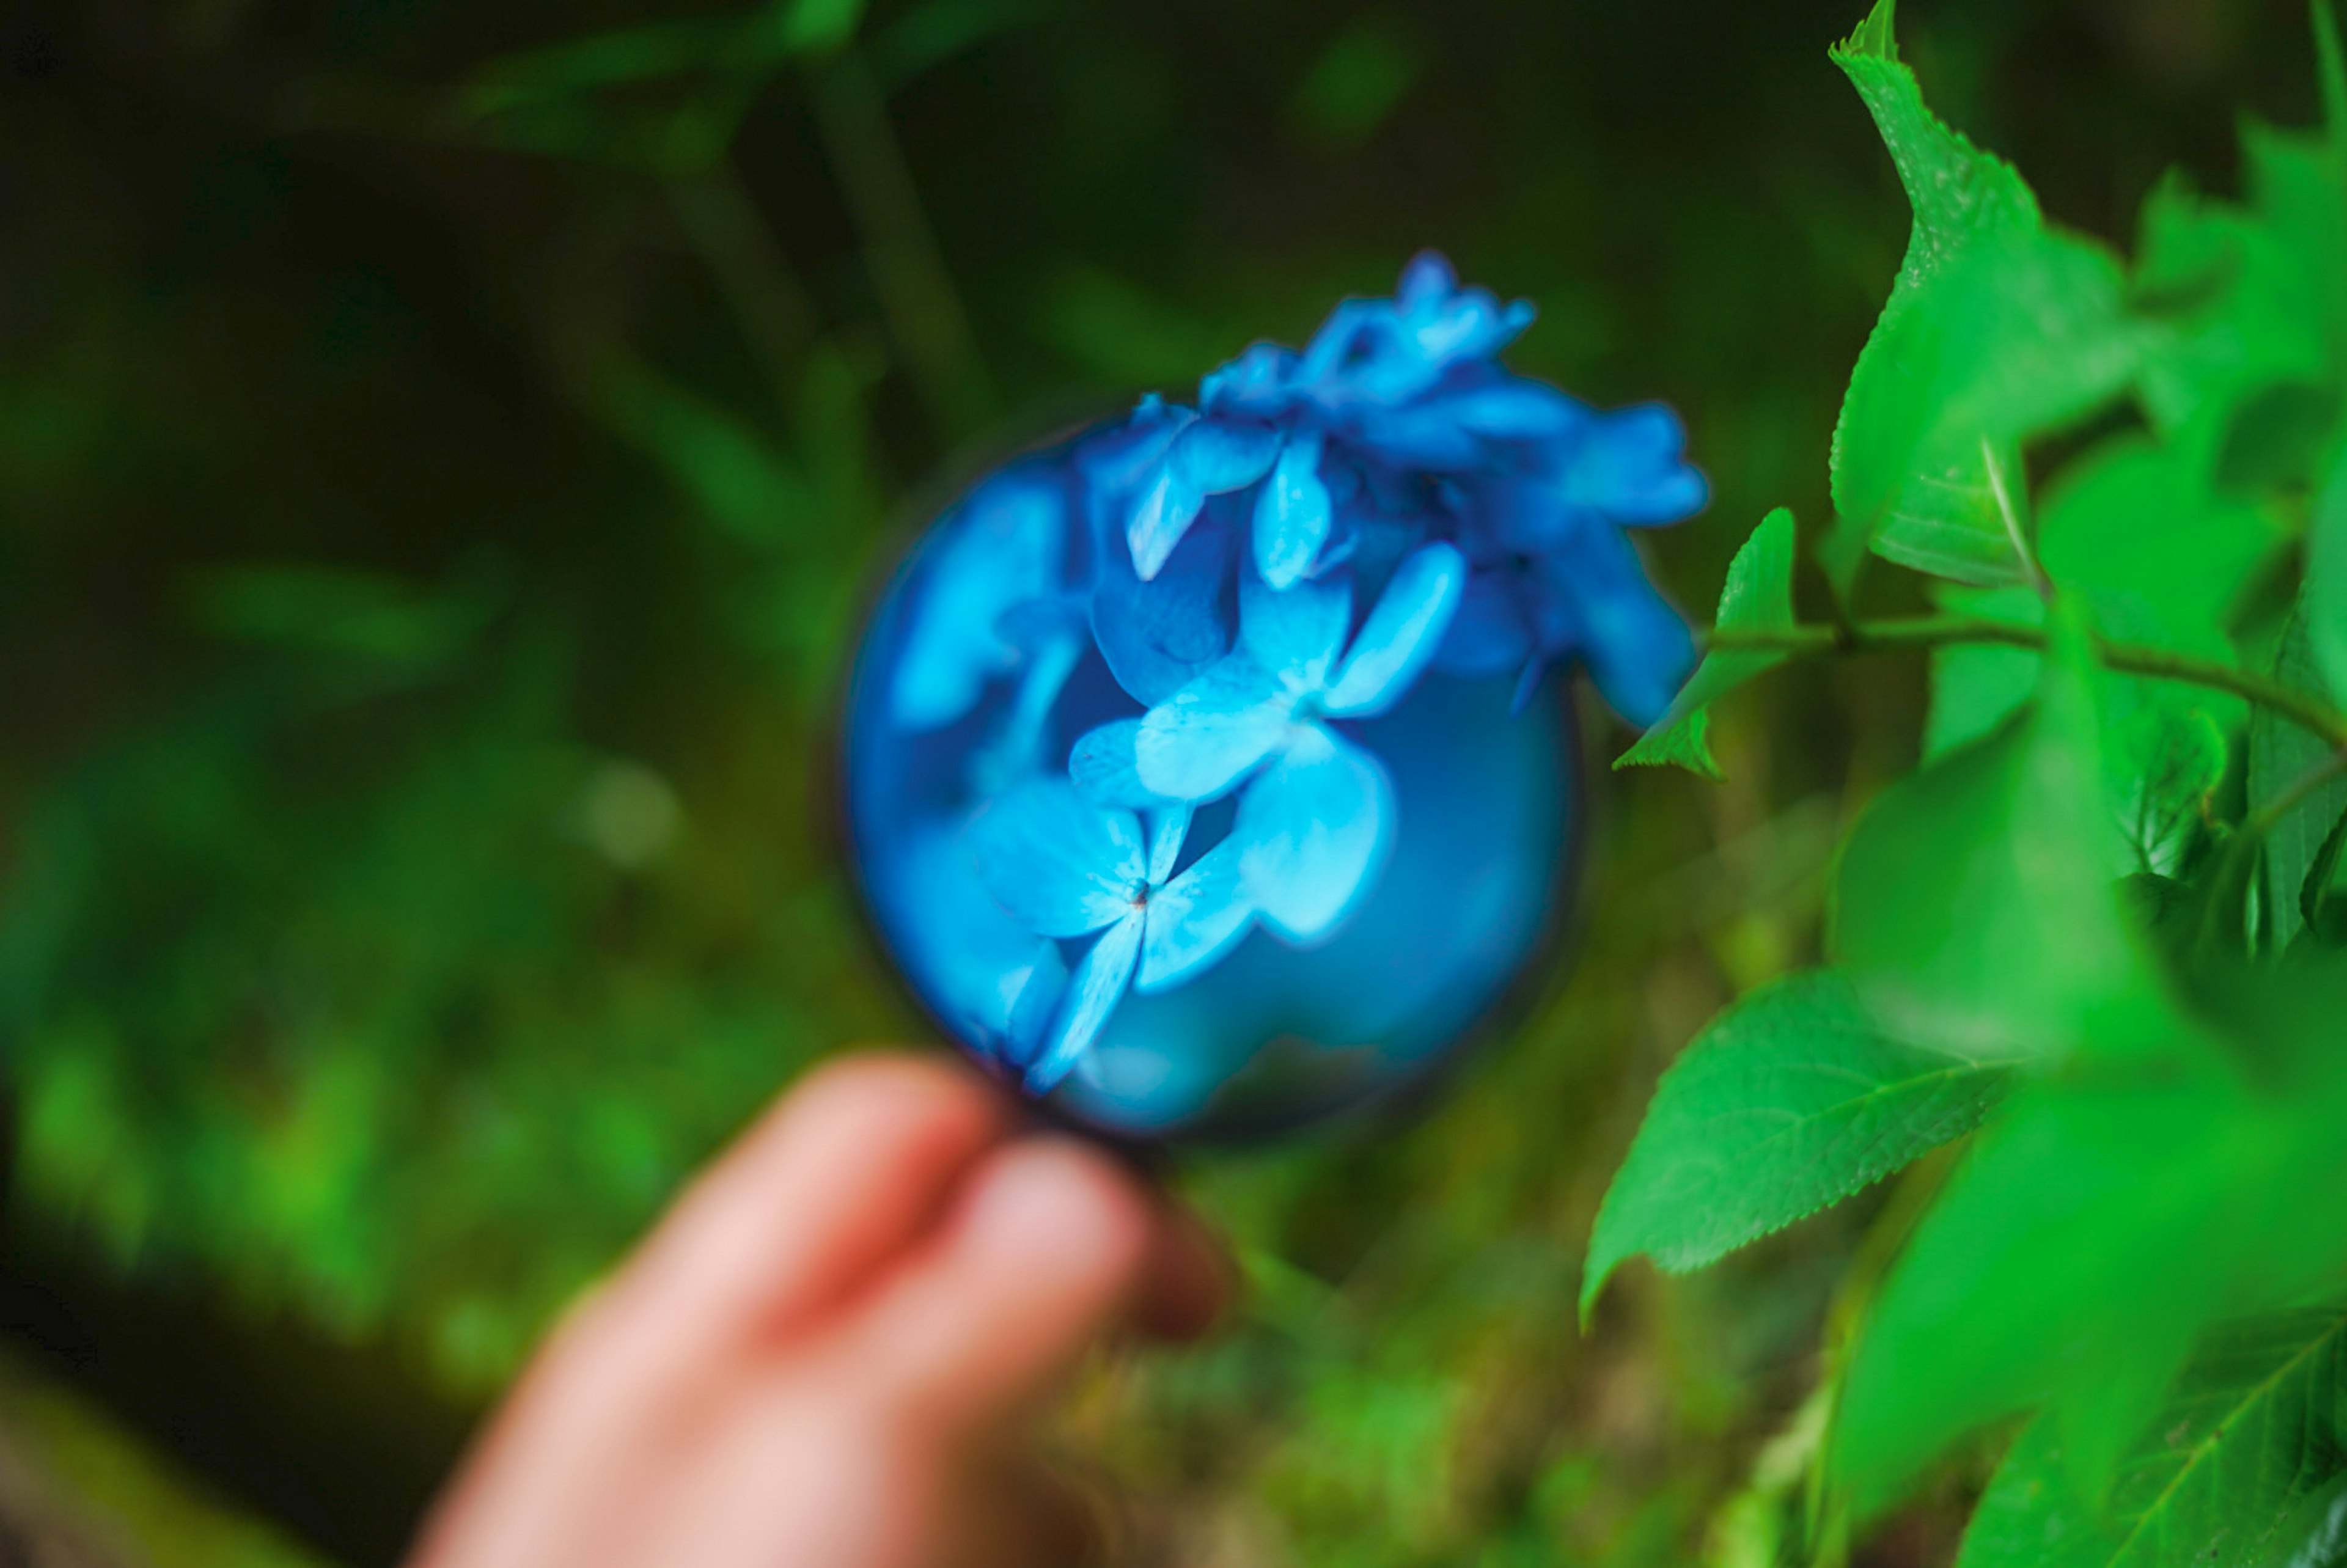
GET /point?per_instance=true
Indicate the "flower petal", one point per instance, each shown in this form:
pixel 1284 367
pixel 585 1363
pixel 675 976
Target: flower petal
pixel 1427 280
pixel 1515 408
pixel 1417 436
pixel 1212 731
pixel 1219 454
pixel 1158 635
pixel 1400 634
pixel 1160 516
pixel 1292 514
pixel 1488 635
pixel 1194 920
pixel 1002 551
pixel 1632 469
pixel 1059 864
pixel 1103 769
pixel 1638 652
pixel 1168 828
pixel 1311 830
pixel 1296 632
pixel 1093 991
pixel 1260 380
pixel 1037 1003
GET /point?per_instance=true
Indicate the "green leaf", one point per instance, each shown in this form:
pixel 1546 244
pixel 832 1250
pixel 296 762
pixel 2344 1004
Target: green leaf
pixel 2253 1434
pixel 1974 905
pixel 2161 558
pixel 2326 579
pixel 2234 298
pixel 1758 596
pixel 1997 329
pixel 2097 1226
pixel 1976 686
pixel 2298 190
pixel 1790 1101
pixel 2139 525
pixel 2281 758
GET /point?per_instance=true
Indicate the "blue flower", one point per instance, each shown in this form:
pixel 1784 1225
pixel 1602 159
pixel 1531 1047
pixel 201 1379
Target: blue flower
pixel 1064 867
pixel 1556 578
pixel 1269 418
pixel 1398 414
pixel 1210 557
pixel 1002 553
pixel 1317 810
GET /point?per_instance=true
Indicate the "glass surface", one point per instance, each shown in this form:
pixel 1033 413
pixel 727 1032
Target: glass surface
pixel 1274 1033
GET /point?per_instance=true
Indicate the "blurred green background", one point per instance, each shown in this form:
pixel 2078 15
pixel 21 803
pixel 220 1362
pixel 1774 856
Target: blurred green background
pixel 444 451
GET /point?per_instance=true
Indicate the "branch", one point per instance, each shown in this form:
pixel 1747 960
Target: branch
pixel 2311 713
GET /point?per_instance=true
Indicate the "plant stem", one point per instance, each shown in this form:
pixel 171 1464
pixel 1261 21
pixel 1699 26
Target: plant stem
pixel 2316 717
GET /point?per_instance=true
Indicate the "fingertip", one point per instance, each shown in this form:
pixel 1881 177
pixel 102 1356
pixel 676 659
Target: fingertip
pixel 1054 1204
pixel 1046 1253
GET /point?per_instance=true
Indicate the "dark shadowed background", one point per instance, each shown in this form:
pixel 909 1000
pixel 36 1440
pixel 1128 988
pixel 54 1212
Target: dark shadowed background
pixel 444 451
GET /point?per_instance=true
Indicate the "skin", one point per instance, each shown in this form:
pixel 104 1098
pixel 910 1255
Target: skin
pixel 834 1348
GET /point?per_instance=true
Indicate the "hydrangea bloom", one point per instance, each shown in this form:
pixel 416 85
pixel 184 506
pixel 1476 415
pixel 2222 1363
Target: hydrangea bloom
pixel 1182 751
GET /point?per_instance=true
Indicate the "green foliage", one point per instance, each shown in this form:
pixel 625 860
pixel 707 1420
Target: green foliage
pixel 2101 907
pixel 1758 596
pixel 1998 329
pixel 1791 1100
pixel 1972 904
pixel 2294 794
pixel 2245 1451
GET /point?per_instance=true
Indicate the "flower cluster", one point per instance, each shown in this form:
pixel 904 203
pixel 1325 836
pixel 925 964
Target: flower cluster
pixel 1256 576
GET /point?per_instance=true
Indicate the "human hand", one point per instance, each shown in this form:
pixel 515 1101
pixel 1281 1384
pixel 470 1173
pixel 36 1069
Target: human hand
pixel 830 1351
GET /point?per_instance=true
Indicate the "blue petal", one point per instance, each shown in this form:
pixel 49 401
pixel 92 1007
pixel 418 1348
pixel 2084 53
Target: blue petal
pixel 1093 994
pixel 1340 338
pixel 1261 380
pixel 1292 514
pixel 1160 516
pixel 1427 280
pixel 1632 469
pixel 1103 768
pixel 1419 435
pixel 1124 456
pixel 1400 634
pixel 1158 635
pixel 1312 829
pixel 1212 731
pixel 1516 409
pixel 1297 632
pixel 1219 454
pixel 1003 550
pixel 1639 651
pixel 1194 920
pixel 1168 828
pixel 1488 636
pixel 1038 1001
pixel 1059 864
pixel 1533 513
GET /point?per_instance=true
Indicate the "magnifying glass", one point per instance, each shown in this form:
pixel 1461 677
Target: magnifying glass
pixel 1209 771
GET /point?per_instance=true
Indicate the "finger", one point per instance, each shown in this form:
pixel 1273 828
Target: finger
pixel 846 1172
pixel 1047 1250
